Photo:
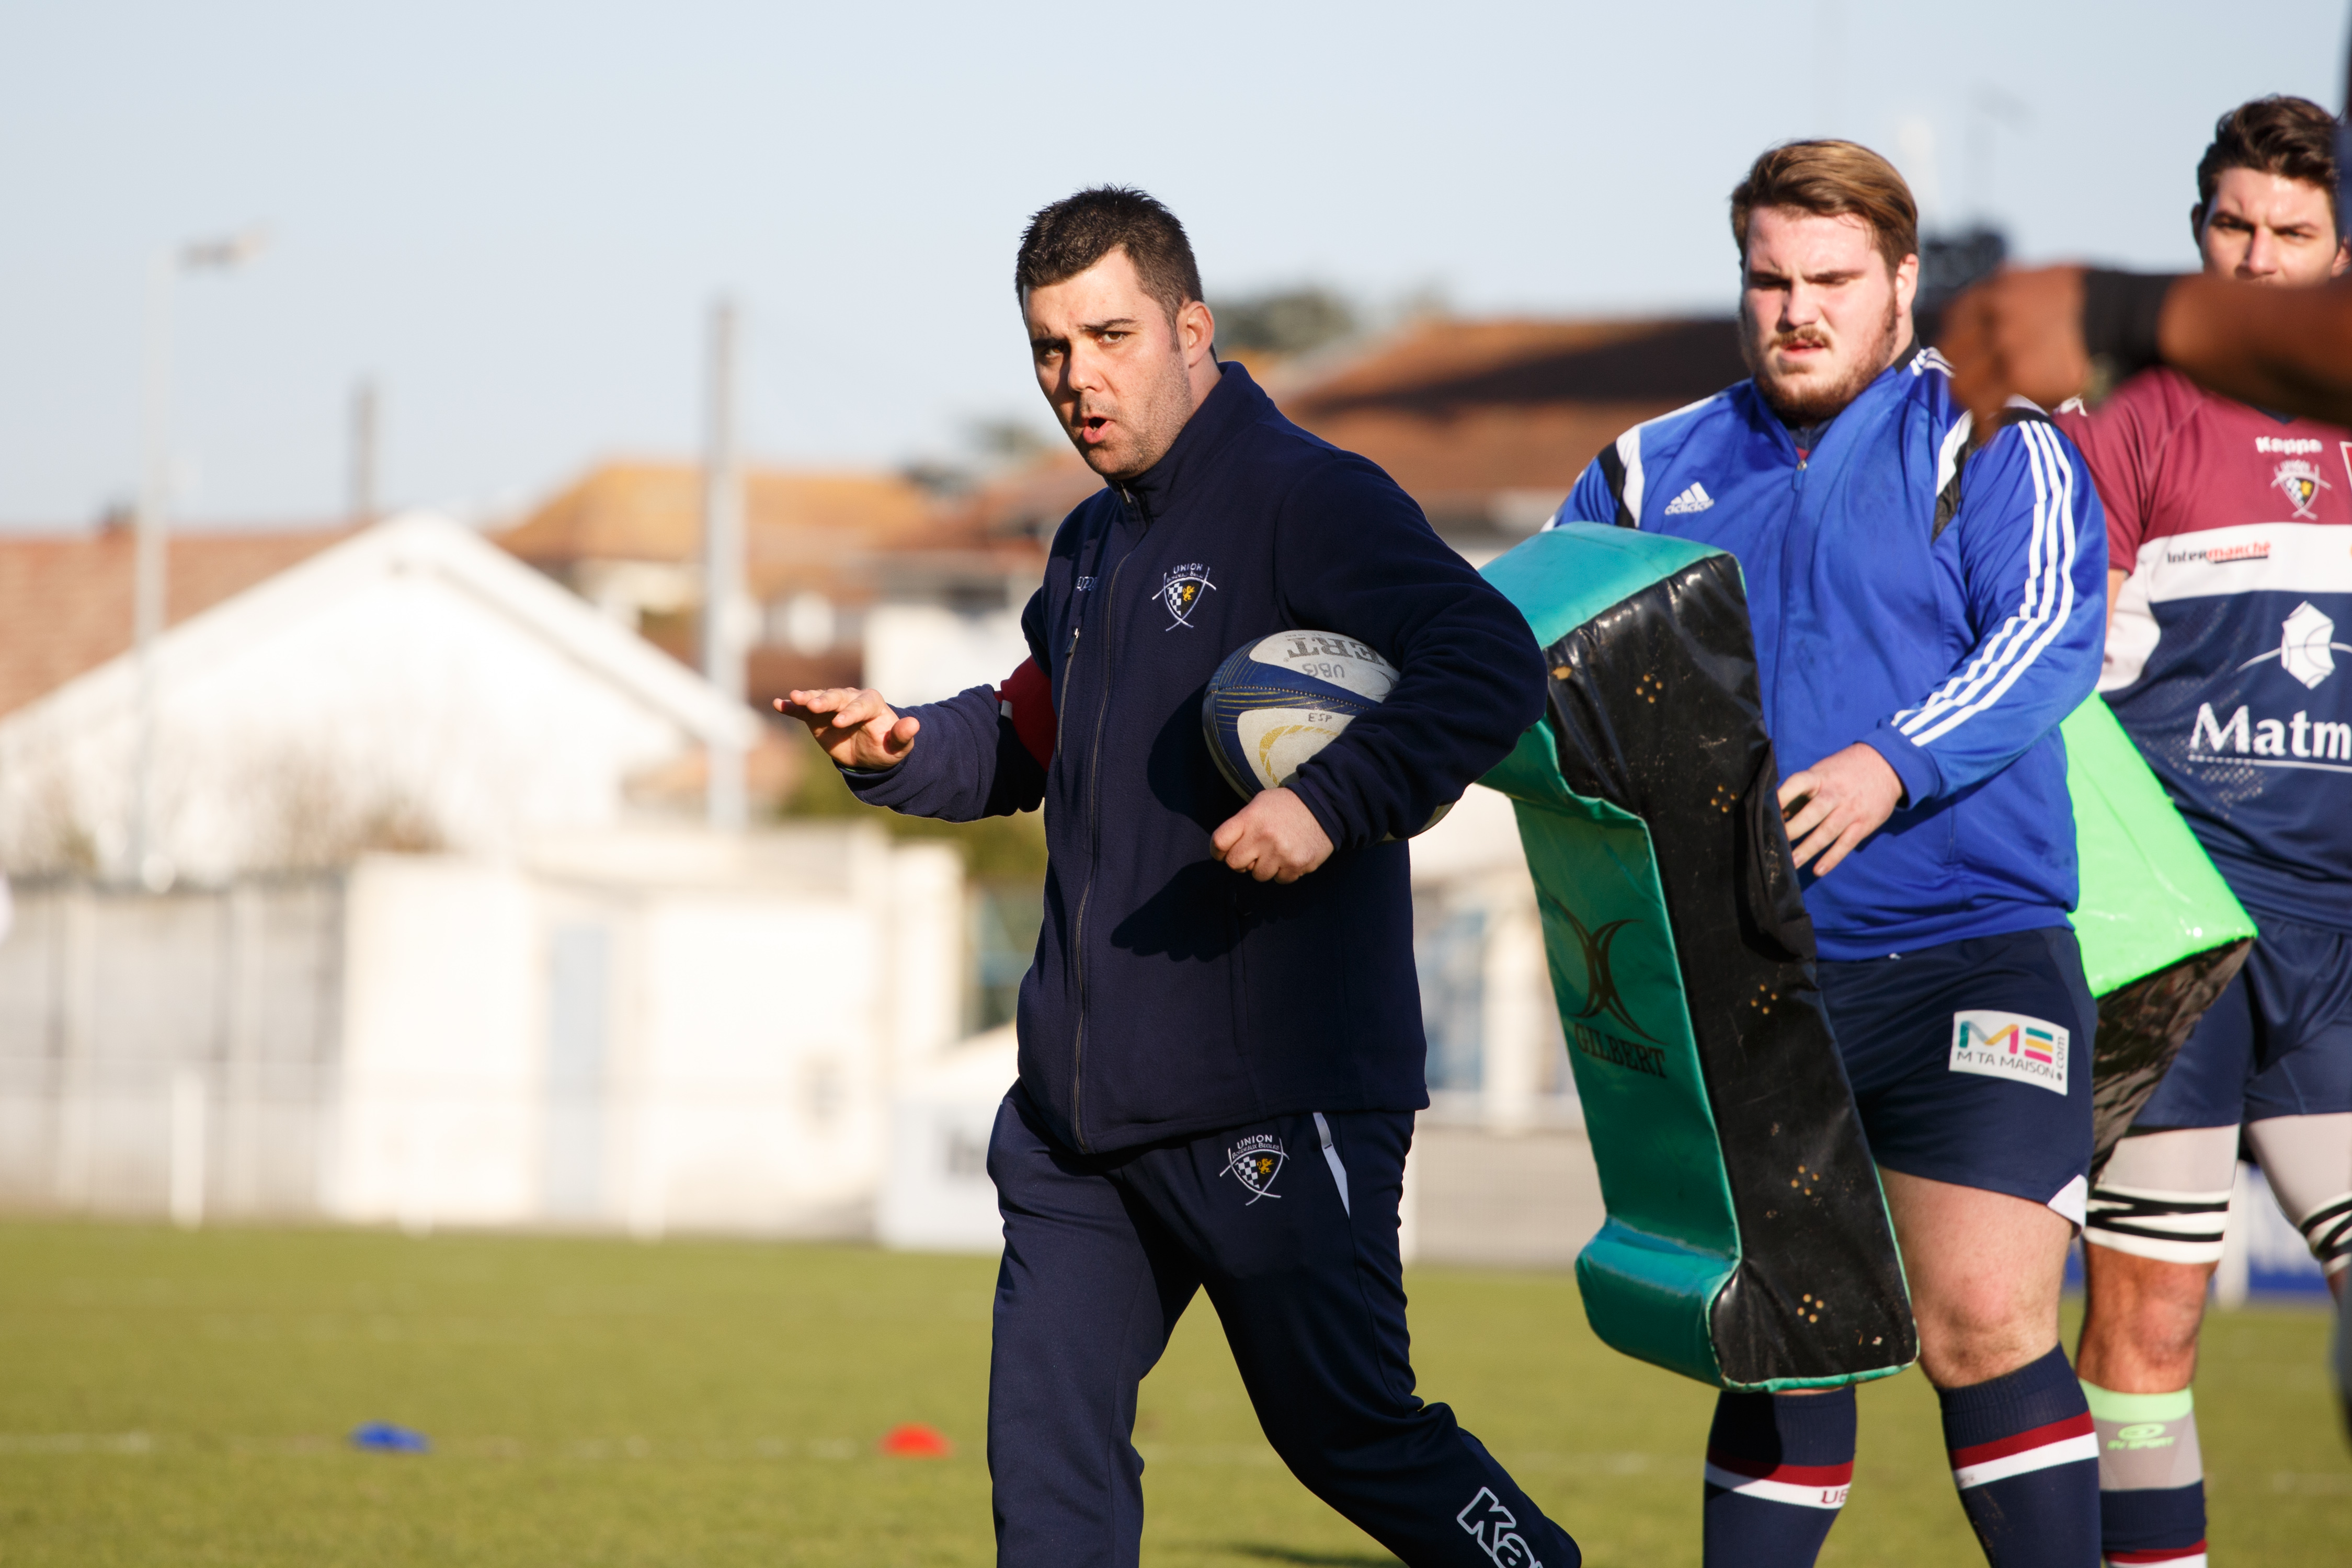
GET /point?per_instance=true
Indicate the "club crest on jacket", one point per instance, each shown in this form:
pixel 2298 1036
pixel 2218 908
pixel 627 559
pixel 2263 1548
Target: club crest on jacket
pixel 1180 588
pixel 1255 1161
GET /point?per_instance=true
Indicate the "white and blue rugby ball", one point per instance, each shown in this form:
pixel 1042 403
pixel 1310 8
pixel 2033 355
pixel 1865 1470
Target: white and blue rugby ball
pixel 1277 702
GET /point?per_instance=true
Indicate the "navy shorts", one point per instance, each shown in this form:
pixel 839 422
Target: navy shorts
pixel 1971 1062
pixel 2278 1042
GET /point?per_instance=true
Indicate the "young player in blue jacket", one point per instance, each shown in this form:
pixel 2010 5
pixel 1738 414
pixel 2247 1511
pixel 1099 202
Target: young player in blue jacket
pixel 1220 1041
pixel 1927 601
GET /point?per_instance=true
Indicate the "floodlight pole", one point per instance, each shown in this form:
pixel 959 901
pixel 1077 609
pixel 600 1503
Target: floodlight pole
pixel 366 413
pixel 724 610
pixel 151 534
pixel 149 565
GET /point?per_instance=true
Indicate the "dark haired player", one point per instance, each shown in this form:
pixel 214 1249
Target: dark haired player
pixel 1218 1072
pixel 2229 549
pixel 2042 333
pixel 1926 602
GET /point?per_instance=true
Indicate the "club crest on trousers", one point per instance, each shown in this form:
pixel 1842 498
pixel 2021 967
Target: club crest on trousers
pixel 1255 1161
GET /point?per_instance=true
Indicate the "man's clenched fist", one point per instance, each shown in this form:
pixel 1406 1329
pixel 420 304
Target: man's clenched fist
pixel 1275 837
pixel 857 728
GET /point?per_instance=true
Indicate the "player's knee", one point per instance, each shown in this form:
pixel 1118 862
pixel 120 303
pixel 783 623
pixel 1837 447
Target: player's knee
pixel 1979 1329
pixel 2163 1320
pixel 2143 1309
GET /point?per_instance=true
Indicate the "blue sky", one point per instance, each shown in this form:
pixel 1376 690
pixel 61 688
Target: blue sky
pixel 513 215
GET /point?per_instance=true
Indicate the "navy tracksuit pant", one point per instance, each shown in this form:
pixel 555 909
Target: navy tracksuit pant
pixel 1291 1226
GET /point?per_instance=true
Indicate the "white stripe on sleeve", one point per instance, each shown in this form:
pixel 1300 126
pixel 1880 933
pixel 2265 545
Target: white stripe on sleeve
pixel 2003 644
pixel 1629 453
pixel 2041 616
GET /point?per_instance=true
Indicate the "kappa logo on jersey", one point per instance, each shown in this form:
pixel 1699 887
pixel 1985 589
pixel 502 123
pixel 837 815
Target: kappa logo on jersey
pixel 2288 445
pixel 1255 1161
pixel 2298 480
pixel 1180 589
pixel 1695 499
pixel 1496 1529
pixel 2010 1045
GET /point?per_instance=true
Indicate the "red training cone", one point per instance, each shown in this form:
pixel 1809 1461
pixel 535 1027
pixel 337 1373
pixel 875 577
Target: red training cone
pixel 916 1441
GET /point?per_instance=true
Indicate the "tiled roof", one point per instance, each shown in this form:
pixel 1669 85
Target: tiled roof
pixel 66 600
pixel 795 525
pixel 1460 410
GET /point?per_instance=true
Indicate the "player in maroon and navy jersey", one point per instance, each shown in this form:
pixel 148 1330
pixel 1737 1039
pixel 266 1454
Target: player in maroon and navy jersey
pixel 2230 545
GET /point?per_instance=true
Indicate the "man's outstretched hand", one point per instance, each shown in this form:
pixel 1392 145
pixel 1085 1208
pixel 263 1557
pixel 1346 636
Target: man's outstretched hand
pixel 857 728
pixel 1846 797
pixel 2016 333
pixel 1275 837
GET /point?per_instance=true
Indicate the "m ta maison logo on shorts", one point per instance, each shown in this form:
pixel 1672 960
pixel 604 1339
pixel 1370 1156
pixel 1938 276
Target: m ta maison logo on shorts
pixel 2010 1045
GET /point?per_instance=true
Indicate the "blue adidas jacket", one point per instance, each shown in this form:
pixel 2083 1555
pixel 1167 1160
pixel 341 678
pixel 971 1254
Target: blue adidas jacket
pixel 1170 995
pixel 1944 609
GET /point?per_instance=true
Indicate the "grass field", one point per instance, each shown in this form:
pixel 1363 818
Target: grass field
pixel 181 1399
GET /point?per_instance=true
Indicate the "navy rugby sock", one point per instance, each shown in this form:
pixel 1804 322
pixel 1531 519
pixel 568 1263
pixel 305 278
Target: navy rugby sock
pixel 1778 1466
pixel 2026 1460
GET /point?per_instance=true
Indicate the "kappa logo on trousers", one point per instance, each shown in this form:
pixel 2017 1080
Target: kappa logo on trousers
pixel 1495 1529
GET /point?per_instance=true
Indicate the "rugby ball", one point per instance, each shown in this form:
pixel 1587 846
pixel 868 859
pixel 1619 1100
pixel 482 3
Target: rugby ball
pixel 1277 702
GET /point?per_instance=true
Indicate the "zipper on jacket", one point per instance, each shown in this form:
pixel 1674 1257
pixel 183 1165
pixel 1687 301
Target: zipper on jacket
pixel 1094 837
pixel 1062 699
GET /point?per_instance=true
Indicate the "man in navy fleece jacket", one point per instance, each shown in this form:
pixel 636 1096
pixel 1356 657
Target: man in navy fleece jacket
pixel 1220 1041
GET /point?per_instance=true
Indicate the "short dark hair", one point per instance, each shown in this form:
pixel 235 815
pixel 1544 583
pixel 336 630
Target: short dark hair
pixel 2293 137
pixel 1831 179
pixel 1065 239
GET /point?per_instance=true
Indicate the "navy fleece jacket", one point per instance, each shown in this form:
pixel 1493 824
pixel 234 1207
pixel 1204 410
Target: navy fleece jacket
pixel 1170 995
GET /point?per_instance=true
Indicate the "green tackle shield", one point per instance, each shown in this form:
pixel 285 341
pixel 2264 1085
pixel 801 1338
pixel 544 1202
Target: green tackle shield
pixel 1748 1243
pixel 2161 932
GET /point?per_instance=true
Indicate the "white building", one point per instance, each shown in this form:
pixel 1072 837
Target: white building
pixel 547 1010
pixel 410 685
pixel 634 1029
pixel 642 1031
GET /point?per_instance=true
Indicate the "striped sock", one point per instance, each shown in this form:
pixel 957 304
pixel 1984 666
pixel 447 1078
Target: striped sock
pixel 1778 1466
pixel 2026 1460
pixel 2151 1478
